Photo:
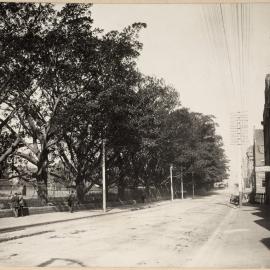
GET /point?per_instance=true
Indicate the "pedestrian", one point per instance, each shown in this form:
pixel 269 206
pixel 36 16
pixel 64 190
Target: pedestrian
pixel 15 204
pixel 21 205
pixel 71 201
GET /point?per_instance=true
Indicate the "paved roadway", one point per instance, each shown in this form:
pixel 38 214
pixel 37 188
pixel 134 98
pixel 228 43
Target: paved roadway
pixel 206 231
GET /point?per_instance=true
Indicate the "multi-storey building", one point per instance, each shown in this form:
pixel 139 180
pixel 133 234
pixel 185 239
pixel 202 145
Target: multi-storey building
pixel 249 181
pixel 266 130
pixel 258 154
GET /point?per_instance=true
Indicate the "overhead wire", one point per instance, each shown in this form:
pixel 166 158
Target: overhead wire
pixel 237 49
pixel 238 55
pixel 207 27
pixel 222 48
pixel 242 28
pixel 245 53
pixel 247 46
pixel 213 27
pixel 233 46
pixel 227 48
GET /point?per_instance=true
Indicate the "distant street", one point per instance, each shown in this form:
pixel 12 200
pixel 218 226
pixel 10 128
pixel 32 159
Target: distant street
pixel 205 231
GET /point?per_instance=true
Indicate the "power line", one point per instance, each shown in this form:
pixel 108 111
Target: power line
pixel 206 23
pixel 227 47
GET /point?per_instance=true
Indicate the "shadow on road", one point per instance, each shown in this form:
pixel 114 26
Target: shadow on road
pixel 208 193
pixel 9 238
pixel 227 204
pixel 266 242
pixel 263 212
pixel 68 262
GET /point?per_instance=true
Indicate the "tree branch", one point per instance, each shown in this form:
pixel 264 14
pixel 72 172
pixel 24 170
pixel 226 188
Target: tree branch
pixel 10 150
pixel 27 157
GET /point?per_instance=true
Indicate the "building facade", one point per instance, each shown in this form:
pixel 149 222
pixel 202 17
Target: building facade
pixel 258 154
pixel 249 181
pixel 266 131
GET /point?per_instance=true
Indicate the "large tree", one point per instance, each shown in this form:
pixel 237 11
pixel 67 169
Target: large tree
pixel 23 28
pixel 50 51
pixel 156 101
pixel 190 142
pixel 103 110
pixel 67 88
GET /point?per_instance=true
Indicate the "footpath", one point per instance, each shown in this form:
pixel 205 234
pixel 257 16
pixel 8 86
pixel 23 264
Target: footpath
pixel 11 224
pixel 241 240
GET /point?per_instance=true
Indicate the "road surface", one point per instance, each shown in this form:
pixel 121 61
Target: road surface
pixel 205 231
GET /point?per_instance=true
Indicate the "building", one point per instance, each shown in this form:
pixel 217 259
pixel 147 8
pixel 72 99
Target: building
pixel 266 131
pixel 253 176
pixel 249 181
pixel 239 142
pixel 258 155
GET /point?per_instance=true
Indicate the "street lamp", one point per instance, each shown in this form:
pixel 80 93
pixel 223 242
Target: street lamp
pixel 171 167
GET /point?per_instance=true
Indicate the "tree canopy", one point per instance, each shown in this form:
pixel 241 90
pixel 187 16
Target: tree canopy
pixel 67 87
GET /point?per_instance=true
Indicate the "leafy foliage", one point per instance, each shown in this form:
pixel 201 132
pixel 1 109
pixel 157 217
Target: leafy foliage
pixel 67 87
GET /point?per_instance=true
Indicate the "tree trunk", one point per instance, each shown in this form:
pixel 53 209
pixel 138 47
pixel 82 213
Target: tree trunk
pixel 42 177
pixel 107 191
pixel 80 189
pixel 121 188
pixel 42 192
pixel 147 187
pixel 121 181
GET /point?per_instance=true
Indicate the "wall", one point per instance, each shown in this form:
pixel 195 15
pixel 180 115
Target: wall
pixel 266 131
pixel 259 160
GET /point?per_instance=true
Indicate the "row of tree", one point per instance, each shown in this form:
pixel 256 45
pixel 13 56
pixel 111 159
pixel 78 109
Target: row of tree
pixel 67 87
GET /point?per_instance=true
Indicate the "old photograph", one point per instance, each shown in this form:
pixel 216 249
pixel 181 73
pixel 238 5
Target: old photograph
pixel 135 135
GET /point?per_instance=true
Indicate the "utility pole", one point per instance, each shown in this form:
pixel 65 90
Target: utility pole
pixel 103 176
pixel 240 185
pixel 182 188
pixel 171 167
pixel 192 174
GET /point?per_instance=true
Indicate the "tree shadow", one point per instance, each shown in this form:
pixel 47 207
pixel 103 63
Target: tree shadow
pixel 199 193
pixel 264 223
pixel 227 204
pixel 266 242
pixel 263 212
pixel 70 262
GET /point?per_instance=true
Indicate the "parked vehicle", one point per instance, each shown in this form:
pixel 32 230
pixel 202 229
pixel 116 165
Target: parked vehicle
pixel 234 199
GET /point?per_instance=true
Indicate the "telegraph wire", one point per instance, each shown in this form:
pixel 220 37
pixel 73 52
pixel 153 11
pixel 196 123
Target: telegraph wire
pixel 227 46
pixel 206 23
pixel 234 44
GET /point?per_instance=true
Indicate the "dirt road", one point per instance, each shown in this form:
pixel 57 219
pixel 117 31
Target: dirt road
pixel 180 233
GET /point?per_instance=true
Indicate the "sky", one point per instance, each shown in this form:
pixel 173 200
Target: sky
pixel 216 56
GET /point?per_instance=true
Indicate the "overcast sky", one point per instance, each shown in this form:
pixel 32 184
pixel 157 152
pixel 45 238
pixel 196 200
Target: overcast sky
pixel 216 56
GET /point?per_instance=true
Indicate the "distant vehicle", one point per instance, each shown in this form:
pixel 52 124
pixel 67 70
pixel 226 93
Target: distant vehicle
pixel 234 199
pixel 219 185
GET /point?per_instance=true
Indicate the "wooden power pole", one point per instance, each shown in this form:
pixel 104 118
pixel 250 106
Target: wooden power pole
pixel 192 185
pixel 103 176
pixel 182 186
pixel 171 167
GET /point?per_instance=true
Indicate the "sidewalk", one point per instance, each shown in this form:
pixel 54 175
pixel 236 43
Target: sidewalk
pixel 243 236
pixel 10 224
